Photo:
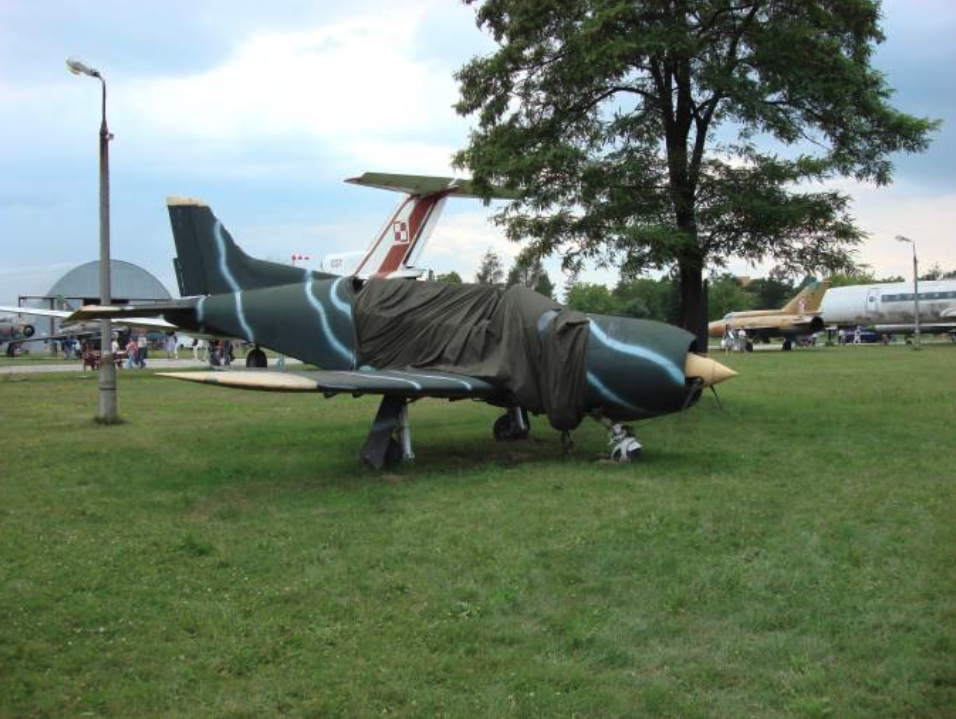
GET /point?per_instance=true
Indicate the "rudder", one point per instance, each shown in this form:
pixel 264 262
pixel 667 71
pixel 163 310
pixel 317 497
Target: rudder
pixel 808 300
pixel 209 262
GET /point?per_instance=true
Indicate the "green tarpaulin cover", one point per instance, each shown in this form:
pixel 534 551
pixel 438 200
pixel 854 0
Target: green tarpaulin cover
pixel 515 338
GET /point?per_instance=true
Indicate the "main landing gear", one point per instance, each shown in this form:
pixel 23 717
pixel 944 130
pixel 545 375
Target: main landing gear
pixel 256 358
pixel 512 425
pixel 389 440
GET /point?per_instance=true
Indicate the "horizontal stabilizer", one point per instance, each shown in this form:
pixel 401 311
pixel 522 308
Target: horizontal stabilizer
pixel 404 383
pixel 109 312
pixel 426 185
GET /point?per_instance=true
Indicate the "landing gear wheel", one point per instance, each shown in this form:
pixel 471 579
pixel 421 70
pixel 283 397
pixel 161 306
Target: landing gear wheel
pixel 506 429
pixel 787 345
pixel 624 445
pixel 393 454
pixel 256 359
pixel 749 346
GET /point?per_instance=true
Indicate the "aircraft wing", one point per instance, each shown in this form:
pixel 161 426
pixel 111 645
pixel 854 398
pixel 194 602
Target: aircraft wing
pixel 404 383
pixel 69 316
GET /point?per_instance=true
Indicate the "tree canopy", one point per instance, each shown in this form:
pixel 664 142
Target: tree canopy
pixel 490 271
pixel 527 270
pixel 452 278
pixel 674 134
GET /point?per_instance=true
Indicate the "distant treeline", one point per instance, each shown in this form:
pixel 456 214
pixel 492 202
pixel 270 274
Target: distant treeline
pixel 646 298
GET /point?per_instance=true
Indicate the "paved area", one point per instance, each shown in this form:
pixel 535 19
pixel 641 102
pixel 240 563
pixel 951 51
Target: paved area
pixel 165 364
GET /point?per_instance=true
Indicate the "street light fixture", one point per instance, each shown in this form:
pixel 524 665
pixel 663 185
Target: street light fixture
pixel 107 378
pixel 900 238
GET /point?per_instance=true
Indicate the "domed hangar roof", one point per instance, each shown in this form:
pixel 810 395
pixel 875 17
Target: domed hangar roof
pixel 130 283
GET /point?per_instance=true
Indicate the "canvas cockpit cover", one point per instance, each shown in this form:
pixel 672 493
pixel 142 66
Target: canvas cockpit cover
pixel 514 338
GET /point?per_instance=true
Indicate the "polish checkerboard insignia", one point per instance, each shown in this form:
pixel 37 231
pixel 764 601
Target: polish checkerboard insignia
pixel 401 232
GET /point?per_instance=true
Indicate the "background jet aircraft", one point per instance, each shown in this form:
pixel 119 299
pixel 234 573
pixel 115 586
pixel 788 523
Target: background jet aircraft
pixel 13 332
pixel 890 307
pixel 405 340
pixel 799 317
pixel 395 250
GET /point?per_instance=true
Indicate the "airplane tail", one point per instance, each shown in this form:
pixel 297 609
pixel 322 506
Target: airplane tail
pixel 395 249
pixel 209 262
pixel 809 299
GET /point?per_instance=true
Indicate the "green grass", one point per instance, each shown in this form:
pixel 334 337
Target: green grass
pixel 223 554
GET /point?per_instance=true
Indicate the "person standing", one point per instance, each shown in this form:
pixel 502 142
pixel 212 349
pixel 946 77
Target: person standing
pixel 141 351
pixel 130 353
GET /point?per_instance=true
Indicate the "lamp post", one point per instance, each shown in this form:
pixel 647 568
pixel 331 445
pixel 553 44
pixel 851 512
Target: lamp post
pixel 107 378
pixel 900 238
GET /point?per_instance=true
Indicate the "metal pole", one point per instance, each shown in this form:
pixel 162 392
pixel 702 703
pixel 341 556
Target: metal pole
pixel 107 380
pixel 916 339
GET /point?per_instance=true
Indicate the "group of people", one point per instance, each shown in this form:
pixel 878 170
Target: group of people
pixel 734 340
pixel 137 351
pixel 218 353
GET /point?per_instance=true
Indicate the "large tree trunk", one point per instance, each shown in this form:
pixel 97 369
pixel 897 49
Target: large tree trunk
pixel 691 276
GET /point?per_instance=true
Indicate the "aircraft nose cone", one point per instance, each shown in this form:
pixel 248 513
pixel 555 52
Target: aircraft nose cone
pixel 708 370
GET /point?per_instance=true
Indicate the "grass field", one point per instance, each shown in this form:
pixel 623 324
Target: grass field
pixel 223 554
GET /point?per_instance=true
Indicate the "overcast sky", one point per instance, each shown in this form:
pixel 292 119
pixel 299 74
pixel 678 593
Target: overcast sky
pixel 262 109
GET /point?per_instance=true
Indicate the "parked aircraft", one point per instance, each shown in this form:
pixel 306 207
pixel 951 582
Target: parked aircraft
pixel 13 332
pixel 405 340
pixel 799 317
pixel 396 248
pixel 391 253
pixel 889 308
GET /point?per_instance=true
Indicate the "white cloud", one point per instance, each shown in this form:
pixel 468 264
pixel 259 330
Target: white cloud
pixel 338 83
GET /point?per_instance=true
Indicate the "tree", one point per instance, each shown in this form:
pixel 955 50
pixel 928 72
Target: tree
pixel 490 272
pixel 452 278
pixel 528 271
pixel 603 116
pixel 644 298
pixel 587 297
pixel 770 293
pixel 726 295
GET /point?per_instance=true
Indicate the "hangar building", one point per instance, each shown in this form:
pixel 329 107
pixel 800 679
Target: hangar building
pixel 131 284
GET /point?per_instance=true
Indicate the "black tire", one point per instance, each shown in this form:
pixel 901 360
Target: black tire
pixel 749 346
pixel 502 428
pixel 257 359
pixel 505 429
pixel 787 345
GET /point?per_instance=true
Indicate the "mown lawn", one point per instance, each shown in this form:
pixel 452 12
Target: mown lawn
pixel 223 554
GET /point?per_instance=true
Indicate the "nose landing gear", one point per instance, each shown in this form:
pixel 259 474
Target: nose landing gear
pixel 624 445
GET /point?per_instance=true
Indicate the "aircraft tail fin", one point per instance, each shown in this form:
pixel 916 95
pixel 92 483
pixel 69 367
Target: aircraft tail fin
pixel 209 261
pixel 809 299
pixel 396 248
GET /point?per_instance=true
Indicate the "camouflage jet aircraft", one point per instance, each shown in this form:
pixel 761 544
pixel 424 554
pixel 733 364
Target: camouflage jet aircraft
pixel 406 339
pixel 801 316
